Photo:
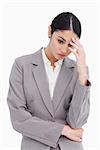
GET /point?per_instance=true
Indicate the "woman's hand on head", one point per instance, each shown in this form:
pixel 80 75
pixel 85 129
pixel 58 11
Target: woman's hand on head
pixel 78 50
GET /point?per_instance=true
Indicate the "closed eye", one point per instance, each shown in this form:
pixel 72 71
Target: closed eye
pixel 60 41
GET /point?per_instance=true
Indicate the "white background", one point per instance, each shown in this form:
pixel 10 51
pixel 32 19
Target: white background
pixel 23 30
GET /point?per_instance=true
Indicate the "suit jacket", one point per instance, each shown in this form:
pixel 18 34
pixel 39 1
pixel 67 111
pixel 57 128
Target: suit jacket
pixel 34 115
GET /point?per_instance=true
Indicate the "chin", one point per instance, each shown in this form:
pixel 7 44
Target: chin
pixel 61 57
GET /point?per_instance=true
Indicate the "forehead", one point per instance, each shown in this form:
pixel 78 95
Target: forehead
pixel 66 34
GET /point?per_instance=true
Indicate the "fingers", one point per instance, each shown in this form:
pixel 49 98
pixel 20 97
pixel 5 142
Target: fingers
pixel 79 134
pixel 74 45
pixel 74 51
pixel 76 48
pixel 76 41
pixel 77 139
pixel 73 134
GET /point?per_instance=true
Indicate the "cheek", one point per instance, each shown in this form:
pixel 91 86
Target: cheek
pixel 58 48
pixel 55 46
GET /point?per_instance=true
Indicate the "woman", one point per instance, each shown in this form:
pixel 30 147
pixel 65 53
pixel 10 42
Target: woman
pixel 48 95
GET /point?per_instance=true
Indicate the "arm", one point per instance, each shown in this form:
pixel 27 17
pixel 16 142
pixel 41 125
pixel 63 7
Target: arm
pixel 46 132
pixel 80 103
pixel 79 106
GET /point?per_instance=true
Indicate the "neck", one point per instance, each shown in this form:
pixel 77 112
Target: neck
pixel 49 55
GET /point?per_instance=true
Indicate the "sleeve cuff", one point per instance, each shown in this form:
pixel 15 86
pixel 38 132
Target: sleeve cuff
pixel 79 93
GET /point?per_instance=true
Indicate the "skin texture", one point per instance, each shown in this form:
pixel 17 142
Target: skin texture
pixel 73 134
pixel 58 48
pixel 61 44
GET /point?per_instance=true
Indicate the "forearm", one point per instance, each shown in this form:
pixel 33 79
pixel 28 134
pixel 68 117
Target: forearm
pixel 79 106
pixel 82 74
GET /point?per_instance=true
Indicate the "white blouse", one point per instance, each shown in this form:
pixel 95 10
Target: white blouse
pixel 52 74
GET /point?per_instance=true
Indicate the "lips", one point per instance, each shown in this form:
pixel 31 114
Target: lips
pixel 61 54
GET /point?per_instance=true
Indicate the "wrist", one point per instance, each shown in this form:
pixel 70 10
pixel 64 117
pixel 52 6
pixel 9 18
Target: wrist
pixel 65 130
pixel 82 70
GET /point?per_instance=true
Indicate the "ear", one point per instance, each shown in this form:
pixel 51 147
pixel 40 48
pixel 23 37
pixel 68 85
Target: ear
pixel 49 31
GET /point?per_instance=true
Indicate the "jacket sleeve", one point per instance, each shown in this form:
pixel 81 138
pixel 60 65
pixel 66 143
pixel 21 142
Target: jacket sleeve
pixel 46 132
pixel 80 104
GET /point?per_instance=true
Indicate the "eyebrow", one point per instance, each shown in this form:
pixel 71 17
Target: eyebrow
pixel 62 38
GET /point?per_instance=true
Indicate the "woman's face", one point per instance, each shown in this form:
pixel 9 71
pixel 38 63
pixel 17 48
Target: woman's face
pixel 59 43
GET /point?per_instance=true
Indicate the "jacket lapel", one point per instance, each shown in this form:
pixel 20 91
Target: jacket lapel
pixel 63 80
pixel 41 80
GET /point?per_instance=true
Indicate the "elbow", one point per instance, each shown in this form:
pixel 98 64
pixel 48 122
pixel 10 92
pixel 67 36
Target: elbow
pixel 16 126
pixel 77 123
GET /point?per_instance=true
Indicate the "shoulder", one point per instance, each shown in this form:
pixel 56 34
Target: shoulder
pixel 27 59
pixel 24 59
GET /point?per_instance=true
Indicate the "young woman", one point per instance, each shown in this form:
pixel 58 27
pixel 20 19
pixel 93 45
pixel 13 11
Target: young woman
pixel 48 93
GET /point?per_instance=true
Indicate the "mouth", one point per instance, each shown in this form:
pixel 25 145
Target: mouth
pixel 62 55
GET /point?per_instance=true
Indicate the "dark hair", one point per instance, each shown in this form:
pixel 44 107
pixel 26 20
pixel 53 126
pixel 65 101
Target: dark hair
pixel 66 21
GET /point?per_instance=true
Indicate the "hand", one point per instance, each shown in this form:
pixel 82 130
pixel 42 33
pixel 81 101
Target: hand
pixel 78 50
pixel 72 134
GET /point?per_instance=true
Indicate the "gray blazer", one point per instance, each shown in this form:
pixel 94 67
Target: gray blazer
pixel 34 115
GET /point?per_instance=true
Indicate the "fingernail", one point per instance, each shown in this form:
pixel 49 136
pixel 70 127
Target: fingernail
pixel 80 140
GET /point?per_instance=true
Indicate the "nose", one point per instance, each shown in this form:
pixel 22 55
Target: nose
pixel 64 50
